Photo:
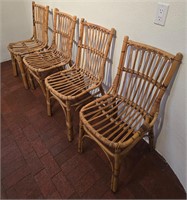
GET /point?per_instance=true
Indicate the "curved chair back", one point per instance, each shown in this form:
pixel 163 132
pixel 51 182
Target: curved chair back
pixel 40 22
pixel 144 74
pixel 93 48
pixel 63 33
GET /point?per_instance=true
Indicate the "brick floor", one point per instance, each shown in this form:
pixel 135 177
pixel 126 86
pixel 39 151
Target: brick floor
pixel 38 162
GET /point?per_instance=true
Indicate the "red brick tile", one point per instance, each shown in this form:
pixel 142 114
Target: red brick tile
pixel 55 195
pixel 16 176
pixel 53 140
pixel 34 163
pixel 74 163
pixel 27 188
pixel 24 145
pixel 4 130
pixel 5 108
pixel 59 147
pixel 30 133
pixel 65 155
pixel 12 193
pixel 39 147
pixel 45 184
pixel 7 140
pixel 109 195
pixel 34 111
pixel 103 169
pixel 63 185
pixel 10 152
pixel 47 134
pixel 85 182
pixel 75 195
pixel 96 191
pixel 125 192
pixel 9 167
pixel 16 131
pixel 3 193
pixel 78 172
pixel 50 165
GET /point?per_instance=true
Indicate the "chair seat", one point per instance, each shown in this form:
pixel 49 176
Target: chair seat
pixel 70 84
pixel 25 47
pixel 105 120
pixel 45 60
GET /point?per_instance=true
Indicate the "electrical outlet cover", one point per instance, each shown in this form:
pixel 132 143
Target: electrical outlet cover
pixel 161 14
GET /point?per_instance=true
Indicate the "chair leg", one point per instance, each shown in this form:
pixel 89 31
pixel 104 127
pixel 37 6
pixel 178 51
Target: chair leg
pixel 42 85
pixel 48 101
pixel 102 90
pixel 116 171
pixel 22 70
pixel 80 140
pixel 14 68
pixel 151 140
pixel 30 80
pixel 69 121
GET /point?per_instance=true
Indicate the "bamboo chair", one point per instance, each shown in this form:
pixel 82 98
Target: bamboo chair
pixel 43 63
pixel 127 113
pixel 37 42
pixel 85 75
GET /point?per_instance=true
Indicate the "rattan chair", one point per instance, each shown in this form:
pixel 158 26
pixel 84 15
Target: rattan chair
pixel 43 63
pixel 38 41
pixel 85 75
pixel 128 111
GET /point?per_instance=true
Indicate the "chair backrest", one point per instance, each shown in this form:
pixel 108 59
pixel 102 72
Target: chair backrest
pixel 144 73
pixel 63 33
pixel 40 22
pixel 93 47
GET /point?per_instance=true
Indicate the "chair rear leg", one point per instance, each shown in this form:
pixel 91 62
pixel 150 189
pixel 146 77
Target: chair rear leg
pixel 101 90
pixel 42 85
pixel 23 73
pixel 14 68
pixel 69 121
pixel 151 140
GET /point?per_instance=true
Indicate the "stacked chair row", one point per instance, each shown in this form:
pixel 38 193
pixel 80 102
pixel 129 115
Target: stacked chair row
pixel 118 119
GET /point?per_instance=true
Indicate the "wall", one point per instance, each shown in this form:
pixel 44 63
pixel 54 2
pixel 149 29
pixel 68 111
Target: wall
pixel 15 21
pixel 134 18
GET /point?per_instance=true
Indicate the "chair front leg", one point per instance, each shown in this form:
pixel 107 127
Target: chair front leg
pixel 14 68
pixel 48 102
pixel 116 171
pixel 80 140
pixel 22 70
pixel 69 121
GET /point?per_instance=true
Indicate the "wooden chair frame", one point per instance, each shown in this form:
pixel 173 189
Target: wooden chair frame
pixel 118 120
pixel 59 53
pixel 85 75
pixel 37 42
